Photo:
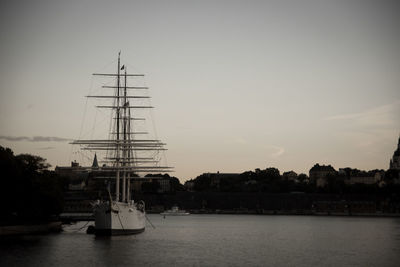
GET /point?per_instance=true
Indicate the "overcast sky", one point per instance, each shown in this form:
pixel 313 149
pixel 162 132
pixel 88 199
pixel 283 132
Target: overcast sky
pixel 237 85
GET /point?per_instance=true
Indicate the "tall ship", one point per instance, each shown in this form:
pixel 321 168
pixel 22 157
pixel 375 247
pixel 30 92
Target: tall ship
pixel 126 153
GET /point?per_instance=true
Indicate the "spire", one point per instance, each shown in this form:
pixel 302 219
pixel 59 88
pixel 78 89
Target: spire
pixel 95 163
pixel 398 144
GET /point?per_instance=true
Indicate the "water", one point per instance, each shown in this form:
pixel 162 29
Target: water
pixel 219 240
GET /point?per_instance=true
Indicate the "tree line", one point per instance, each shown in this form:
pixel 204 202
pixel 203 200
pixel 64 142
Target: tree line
pixel 271 181
pixel 29 191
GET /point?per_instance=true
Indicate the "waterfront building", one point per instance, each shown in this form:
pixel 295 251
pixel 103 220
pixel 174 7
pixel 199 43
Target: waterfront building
pixel 319 173
pixel 216 178
pixel 361 180
pixel 163 184
pixel 355 176
pixel 290 176
pixel 93 179
pixel 364 178
pixel 77 175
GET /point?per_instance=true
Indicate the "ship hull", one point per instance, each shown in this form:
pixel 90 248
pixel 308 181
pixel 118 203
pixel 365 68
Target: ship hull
pixel 120 218
pixel 108 232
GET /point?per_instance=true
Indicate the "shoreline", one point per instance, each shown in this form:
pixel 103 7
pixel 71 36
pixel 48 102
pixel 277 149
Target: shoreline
pixel 28 229
pixel 56 227
pixel 290 213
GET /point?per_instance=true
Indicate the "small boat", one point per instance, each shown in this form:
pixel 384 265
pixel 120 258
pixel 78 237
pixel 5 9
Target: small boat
pixel 175 211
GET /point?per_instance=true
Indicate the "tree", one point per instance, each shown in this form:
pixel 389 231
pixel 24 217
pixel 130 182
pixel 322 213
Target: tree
pixel 150 187
pixel 176 184
pixel 29 191
pixel 32 164
pixel 202 183
pixel 391 176
pixel 303 178
pixel 272 173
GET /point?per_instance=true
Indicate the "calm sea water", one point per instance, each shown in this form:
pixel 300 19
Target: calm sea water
pixel 219 240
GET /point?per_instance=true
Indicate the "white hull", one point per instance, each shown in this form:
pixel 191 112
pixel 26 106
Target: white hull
pixel 119 219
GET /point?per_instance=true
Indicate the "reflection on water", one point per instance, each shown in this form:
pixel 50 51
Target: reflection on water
pixel 219 240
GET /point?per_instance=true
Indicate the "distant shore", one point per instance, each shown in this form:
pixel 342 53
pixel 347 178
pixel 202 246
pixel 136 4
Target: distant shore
pixel 66 218
pixel 310 204
pixel 286 212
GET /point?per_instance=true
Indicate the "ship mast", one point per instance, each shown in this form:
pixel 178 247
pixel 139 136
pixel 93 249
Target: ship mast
pixel 128 155
pixel 125 151
pixel 117 130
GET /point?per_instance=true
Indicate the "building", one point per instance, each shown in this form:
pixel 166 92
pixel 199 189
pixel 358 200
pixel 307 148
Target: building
pixel 96 179
pixel 189 185
pixel 290 176
pixel 319 173
pixel 355 176
pixel 215 178
pixel 364 178
pixel 162 184
pixel 395 160
pixel 77 175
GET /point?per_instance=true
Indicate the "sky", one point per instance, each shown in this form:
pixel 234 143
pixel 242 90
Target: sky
pixel 236 85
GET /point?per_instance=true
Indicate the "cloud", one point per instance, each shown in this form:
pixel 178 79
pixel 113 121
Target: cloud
pixel 46 148
pixel 236 141
pixel 278 151
pixel 34 138
pixel 385 115
pixel 349 116
pixel 49 139
pixel 240 141
pixel 370 129
pixel 14 138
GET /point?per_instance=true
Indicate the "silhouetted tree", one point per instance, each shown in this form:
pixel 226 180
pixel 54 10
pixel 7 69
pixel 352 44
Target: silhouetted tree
pixel 150 187
pixel 302 178
pixel 391 176
pixel 202 183
pixel 28 191
pixel 176 184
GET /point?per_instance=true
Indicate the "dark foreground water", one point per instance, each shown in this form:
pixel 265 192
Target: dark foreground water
pixel 219 240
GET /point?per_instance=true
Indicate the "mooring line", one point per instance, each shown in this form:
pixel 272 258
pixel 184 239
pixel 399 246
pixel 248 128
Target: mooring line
pixel 149 221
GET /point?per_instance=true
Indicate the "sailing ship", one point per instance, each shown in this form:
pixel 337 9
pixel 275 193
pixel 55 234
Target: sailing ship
pixel 125 156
